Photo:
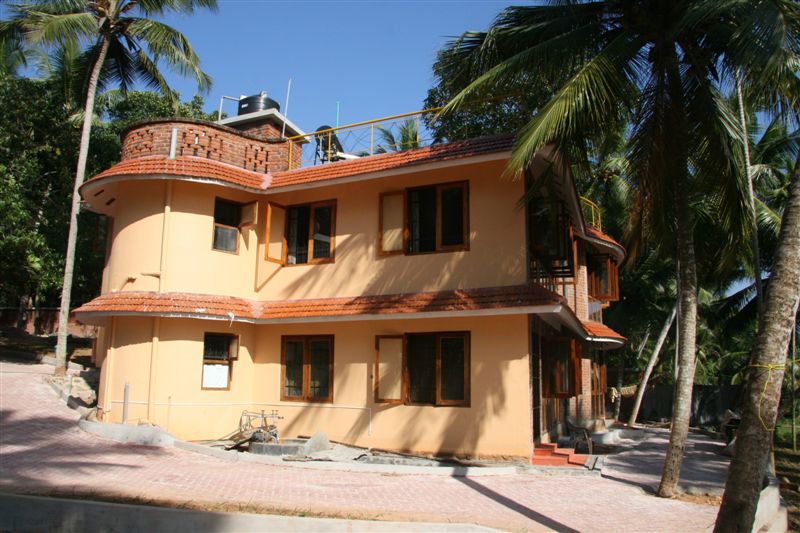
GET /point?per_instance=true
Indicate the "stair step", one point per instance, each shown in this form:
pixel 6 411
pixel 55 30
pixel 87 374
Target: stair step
pixel 542 452
pixel 578 459
pixel 549 461
pixel 564 452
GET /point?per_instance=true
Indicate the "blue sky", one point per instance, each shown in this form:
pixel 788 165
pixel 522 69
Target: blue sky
pixel 373 57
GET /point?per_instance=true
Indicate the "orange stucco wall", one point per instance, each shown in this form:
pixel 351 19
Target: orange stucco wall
pixel 497 241
pixel 496 256
pixel 494 424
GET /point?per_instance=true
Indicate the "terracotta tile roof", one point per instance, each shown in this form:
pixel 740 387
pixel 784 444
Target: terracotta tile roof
pixel 383 162
pixel 154 303
pixel 200 167
pixel 593 232
pixel 424 302
pixel 169 303
pixel 197 167
pixel 596 329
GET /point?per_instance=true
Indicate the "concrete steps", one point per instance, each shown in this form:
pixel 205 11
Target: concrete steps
pixel 551 455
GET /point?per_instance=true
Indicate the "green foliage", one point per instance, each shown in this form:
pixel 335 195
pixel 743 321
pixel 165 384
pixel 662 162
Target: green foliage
pixel 407 138
pixel 38 148
pixel 37 152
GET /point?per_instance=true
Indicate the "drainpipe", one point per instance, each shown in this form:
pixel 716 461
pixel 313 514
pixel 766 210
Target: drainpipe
pixel 151 386
pixel 162 267
pixel 109 368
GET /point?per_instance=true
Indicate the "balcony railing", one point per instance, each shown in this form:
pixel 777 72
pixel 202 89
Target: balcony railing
pixel 382 135
pixel 592 213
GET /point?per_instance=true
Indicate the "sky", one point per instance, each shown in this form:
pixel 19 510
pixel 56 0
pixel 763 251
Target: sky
pixel 373 57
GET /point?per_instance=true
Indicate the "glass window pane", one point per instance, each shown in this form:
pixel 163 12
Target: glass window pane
pixel 293 368
pixel 227 213
pixel 452 216
pixel 216 346
pixel 422 368
pixel 297 234
pixel 452 368
pixel 215 376
pixel 323 223
pixel 422 220
pixel 320 357
pixel 225 238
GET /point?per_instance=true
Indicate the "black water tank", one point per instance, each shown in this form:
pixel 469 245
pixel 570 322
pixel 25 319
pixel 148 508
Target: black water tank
pixel 258 102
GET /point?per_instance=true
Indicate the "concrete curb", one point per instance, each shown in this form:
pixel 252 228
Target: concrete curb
pixel 449 471
pixel 127 434
pixel 36 513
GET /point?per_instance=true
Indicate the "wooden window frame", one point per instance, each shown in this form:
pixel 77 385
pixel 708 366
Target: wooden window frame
pixel 243 222
pixel 403 230
pixel 575 372
pixel 595 283
pixel 233 355
pixel 439 247
pixel 313 206
pixel 405 385
pixel 306 397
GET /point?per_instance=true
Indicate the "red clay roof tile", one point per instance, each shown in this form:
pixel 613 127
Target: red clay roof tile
pixel 383 162
pixel 596 329
pixel 591 231
pixel 196 167
pixel 153 303
pixel 199 167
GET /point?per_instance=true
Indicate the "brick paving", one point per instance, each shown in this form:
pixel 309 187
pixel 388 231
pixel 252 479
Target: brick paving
pixel 42 451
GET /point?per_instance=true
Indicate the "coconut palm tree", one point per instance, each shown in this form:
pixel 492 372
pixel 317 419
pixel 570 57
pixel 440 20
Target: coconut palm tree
pixel 662 64
pixel 408 137
pixel 123 45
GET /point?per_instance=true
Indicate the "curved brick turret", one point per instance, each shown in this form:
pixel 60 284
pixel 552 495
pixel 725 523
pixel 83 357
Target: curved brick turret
pixel 197 138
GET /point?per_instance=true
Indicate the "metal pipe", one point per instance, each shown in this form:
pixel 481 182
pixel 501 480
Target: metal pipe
pixel 222 99
pixel 173 143
pixel 162 267
pixel 365 122
pixel 286 108
pixel 125 404
pixel 151 386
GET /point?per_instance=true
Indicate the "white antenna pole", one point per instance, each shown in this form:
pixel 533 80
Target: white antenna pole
pixel 286 107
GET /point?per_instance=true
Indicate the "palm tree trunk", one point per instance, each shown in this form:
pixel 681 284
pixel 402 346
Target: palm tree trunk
pixel 80 174
pixel 765 374
pixel 651 364
pixel 751 199
pixel 687 287
pixel 687 326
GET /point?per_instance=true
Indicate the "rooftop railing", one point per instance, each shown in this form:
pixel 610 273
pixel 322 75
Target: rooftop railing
pixel 362 139
pixel 592 213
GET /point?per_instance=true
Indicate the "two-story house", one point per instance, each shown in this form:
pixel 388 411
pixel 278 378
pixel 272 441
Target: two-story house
pixel 405 301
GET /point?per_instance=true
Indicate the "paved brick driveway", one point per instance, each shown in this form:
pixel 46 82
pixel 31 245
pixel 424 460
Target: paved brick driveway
pixel 43 451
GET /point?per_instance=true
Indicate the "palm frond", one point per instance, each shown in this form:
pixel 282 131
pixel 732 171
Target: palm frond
pixel 166 43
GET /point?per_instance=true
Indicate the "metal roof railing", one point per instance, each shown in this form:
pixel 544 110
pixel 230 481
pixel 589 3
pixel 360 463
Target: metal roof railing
pixel 592 213
pixel 387 134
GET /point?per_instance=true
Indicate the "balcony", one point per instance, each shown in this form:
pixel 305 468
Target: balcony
pixel 592 214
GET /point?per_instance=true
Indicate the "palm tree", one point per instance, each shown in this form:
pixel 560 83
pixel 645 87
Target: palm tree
pixel 657 63
pixel 771 33
pixel 408 137
pixel 124 44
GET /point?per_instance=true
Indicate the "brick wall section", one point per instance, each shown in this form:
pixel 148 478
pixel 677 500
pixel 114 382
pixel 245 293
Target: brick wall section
pixel 581 298
pixel 259 153
pixel 585 398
